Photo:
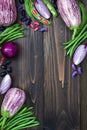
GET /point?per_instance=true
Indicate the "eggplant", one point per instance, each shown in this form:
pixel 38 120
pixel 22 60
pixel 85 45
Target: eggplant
pixel 70 12
pixel 42 9
pixel 13 101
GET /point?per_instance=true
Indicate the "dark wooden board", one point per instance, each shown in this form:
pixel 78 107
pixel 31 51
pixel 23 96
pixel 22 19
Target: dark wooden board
pixel 43 70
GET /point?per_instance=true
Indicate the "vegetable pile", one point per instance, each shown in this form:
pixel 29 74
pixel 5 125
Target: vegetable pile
pixel 40 10
pixel 11 118
pixel 74 15
pixel 14 114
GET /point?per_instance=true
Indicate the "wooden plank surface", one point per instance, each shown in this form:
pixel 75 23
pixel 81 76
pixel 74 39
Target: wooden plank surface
pixel 43 70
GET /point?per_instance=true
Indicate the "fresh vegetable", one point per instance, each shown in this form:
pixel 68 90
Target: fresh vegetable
pixel 74 74
pixel 79 54
pixel 28 8
pixel 19 8
pixel 83 16
pixel 28 22
pixel 73 44
pixel 44 29
pixel 78 23
pixel 4 67
pixel 9 49
pixel 42 9
pixel 11 33
pixel 70 13
pixel 12 117
pixel 25 118
pixel 5 84
pixel 13 101
pixel 51 8
pixel 8 13
pixel 79 69
pixel 74 67
pixel 33 13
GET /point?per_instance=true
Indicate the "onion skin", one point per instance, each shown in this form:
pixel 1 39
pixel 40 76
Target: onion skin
pixel 70 12
pixel 42 9
pixel 9 49
pixel 13 101
pixel 5 84
pixel 79 54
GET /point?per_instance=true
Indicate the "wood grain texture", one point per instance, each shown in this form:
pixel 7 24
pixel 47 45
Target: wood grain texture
pixel 43 70
pixel 61 92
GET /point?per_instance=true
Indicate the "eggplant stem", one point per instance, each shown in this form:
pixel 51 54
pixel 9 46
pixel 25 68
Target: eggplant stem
pixel 3 123
pixel 74 33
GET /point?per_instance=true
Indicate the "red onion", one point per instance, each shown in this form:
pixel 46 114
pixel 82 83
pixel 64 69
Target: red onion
pixel 79 54
pixel 9 49
pixel 5 84
pixel 42 9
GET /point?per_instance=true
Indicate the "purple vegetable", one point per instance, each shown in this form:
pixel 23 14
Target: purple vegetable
pixel 44 29
pixel 79 54
pixel 13 101
pixel 70 12
pixel 80 70
pixel 8 12
pixel 9 49
pixel 5 84
pixel 19 8
pixel 74 74
pixel 42 9
pixel 74 67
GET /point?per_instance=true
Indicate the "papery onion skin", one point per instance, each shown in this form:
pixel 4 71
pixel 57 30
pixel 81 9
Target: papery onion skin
pixel 13 101
pixel 79 54
pixel 9 49
pixel 5 84
pixel 42 9
pixel 70 12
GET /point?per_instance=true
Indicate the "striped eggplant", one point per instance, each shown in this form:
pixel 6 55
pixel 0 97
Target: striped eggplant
pixel 42 9
pixel 8 12
pixel 70 12
pixel 13 101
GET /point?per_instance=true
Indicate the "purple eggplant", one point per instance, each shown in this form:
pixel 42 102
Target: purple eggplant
pixel 42 9
pixel 13 101
pixel 70 12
